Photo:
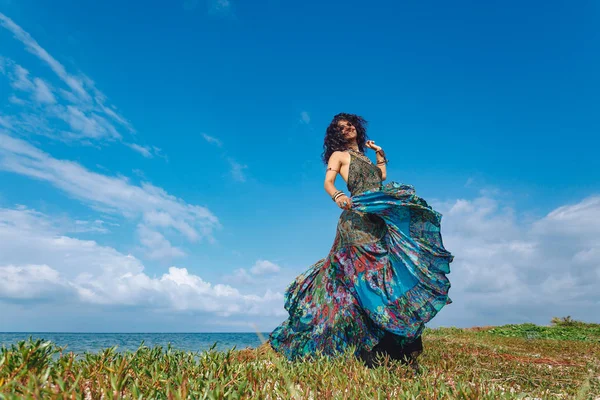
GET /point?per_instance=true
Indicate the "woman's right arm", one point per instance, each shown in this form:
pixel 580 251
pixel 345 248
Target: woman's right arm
pixel 333 168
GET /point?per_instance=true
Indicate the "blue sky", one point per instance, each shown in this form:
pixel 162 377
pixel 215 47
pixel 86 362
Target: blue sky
pixel 160 163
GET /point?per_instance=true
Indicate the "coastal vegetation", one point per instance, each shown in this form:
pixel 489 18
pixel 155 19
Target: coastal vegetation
pixel 526 361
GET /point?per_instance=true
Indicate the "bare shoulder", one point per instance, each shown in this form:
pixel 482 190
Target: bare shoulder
pixel 339 157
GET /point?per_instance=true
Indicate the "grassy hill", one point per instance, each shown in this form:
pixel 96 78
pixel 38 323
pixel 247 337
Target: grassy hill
pixel 561 361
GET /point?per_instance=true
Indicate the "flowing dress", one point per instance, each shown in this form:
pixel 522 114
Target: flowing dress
pixel 385 273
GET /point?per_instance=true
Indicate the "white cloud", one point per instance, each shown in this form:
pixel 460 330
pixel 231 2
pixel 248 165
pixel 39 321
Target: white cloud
pixel 86 125
pixel 43 94
pixel 113 195
pixel 30 238
pixel 15 100
pixel 304 117
pixel 156 245
pixel 91 273
pixel 33 47
pixel 212 140
pixel 507 269
pixel 580 220
pixel 5 122
pixel 143 150
pixel 237 170
pixel 23 217
pixel 264 274
pixel 96 226
pixel 241 276
pixel 29 282
pixel 78 103
pixel 20 79
pixel 262 267
pixel 163 219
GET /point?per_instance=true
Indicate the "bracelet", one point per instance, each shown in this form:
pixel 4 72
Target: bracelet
pixel 385 160
pixel 336 194
pixel 340 194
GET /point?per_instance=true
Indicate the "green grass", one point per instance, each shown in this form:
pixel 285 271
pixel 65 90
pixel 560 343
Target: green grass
pixel 509 362
pixel 561 329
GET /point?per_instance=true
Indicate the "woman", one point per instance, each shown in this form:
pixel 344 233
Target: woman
pixel 384 277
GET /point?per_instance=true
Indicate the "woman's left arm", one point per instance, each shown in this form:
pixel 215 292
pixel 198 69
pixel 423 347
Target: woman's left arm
pixel 381 162
pixel 380 154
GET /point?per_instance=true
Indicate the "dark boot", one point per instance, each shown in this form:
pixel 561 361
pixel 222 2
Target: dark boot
pixel 368 358
pixel 396 348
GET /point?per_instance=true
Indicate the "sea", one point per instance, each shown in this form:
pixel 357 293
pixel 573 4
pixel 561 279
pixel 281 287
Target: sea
pixel 80 343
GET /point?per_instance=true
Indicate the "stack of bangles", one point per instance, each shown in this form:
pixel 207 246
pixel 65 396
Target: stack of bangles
pixel 385 160
pixel 336 195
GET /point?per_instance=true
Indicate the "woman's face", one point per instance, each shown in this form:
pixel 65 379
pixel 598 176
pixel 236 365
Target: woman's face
pixel 348 130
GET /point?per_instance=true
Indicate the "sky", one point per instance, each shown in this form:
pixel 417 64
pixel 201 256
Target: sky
pixel 160 161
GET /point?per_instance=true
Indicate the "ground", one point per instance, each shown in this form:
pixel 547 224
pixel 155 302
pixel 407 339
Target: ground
pixel 561 361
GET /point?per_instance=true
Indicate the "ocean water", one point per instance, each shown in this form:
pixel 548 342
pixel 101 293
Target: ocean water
pixel 93 342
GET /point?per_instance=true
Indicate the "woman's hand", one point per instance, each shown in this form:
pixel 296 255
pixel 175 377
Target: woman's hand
pixel 343 202
pixel 371 144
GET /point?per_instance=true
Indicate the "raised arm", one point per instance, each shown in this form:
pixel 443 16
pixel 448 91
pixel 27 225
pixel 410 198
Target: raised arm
pixel 381 162
pixel 380 154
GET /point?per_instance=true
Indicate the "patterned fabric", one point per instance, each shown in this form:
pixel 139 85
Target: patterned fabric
pixel 362 175
pixel 386 272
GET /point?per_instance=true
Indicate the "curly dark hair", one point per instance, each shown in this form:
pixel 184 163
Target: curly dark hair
pixel 334 139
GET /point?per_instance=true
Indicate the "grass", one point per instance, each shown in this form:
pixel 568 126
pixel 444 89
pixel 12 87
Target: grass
pixel 509 362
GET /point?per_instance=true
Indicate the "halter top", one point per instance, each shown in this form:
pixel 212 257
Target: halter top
pixel 363 175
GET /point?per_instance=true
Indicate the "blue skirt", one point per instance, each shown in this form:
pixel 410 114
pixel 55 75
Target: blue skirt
pixel 386 272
